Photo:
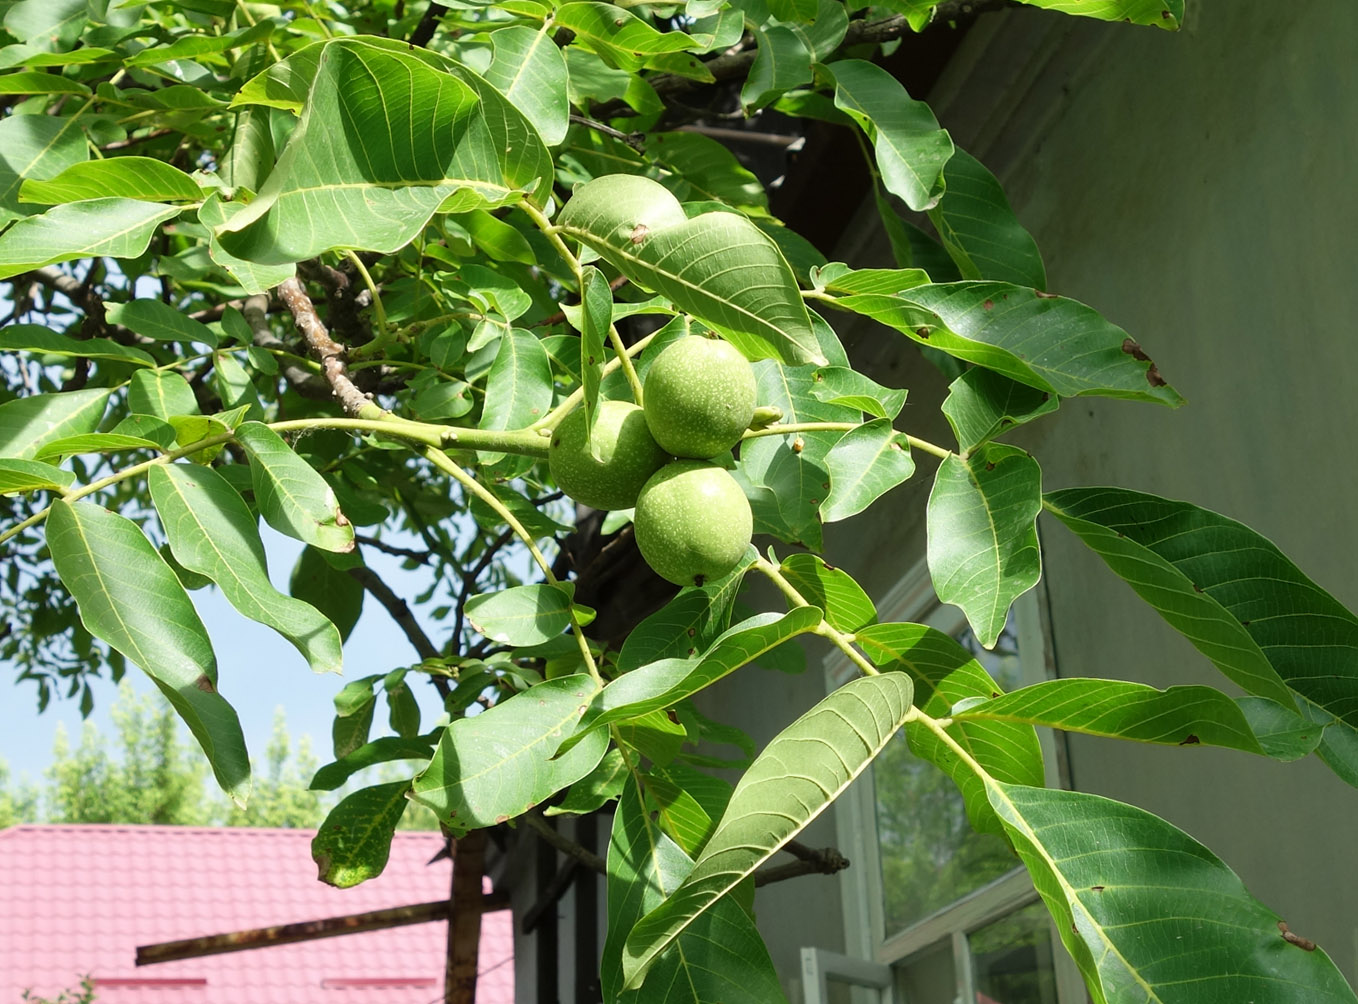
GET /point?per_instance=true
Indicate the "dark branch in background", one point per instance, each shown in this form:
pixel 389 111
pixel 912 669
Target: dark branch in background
pixel 464 919
pixel 123 144
pixel 329 352
pixel 810 861
pixel 636 140
pixel 423 557
pixel 736 65
pixel 399 611
pixel 424 31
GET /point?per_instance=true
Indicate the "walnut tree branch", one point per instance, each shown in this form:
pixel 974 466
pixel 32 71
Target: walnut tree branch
pixel 330 353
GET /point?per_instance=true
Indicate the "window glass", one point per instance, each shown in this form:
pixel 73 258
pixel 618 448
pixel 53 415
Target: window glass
pixel 928 978
pixel 1012 959
pixel 930 855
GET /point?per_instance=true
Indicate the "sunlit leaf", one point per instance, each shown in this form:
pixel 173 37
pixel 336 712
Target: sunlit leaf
pixel 27 424
pixel 847 607
pixel 792 781
pixel 528 68
pixel 1179 716
pixel 982 404
pixel 1235 596
pixel 36 146
pixel 30 475
pixel 498 764
pixel 1148 913
pixel 979 229
pixel 36 338
pixel 123 177
pixel 1161 13
pixel 910 147
pixel 983 551
pixel 211 532
pixel 385 749
pixel 522 615
pixel 865 464
pixel 129 598
pixel 354 842
pixel 116 228
pixel 721 957
pixel 719 266
pixel 292 497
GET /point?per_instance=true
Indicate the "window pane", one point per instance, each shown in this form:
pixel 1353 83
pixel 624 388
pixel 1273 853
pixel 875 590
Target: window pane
pixel 928 978
pixel 930 854
pixel 1012 959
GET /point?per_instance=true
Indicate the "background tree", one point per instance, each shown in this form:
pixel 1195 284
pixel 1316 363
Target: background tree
pixel 506 214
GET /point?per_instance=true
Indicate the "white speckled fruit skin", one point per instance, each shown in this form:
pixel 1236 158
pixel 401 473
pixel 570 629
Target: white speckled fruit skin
pixel 693 523
pixel 628 456
pixel 700 397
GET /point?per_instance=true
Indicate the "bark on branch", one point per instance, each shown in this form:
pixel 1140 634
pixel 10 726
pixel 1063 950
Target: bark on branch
pixel 330 353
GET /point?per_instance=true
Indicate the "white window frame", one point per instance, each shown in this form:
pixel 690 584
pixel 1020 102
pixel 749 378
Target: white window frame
pixel 865 934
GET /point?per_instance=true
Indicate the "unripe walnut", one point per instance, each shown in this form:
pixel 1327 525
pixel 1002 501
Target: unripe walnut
pixel 700 397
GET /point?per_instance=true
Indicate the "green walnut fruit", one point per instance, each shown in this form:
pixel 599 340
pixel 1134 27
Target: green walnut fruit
pixel 627 456
pixel 693 523
pixel 700 397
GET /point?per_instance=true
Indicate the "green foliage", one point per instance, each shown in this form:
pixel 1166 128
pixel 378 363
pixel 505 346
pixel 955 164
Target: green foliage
pixel 494 211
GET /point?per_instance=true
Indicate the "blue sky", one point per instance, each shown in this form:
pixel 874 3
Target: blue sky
pixel 258 672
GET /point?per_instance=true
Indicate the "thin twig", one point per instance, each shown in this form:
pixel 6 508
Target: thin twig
pixel 423 557
pixel 636 140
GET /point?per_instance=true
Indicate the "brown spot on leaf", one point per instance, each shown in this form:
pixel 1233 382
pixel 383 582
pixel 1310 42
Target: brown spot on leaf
pixel 672 715
pixel 922 332
pixel 1197 588
pixel 829 567
pixel 1305 944
pixel 1190 740
pixel 502 818
pixel 1130 346
pixel 204 683
pixel 1043 295
pixel 1096 888
pixel 989 467
pixel 1153 377
pixel 798 445
pixel 692 632
pixel 639 233
pixel 989 305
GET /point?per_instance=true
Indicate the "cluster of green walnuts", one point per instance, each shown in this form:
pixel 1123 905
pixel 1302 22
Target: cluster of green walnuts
pixel 693 523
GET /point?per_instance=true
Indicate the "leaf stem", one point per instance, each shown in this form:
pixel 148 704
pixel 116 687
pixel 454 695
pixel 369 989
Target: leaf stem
pixel 454 470
pixel 384 333
pixel 937 728
pixel 573 399
pixel 553 236
pixel 787 429
pixel 840 639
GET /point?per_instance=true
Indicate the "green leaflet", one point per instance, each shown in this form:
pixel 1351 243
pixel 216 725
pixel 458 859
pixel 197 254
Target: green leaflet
pixel 116 228
pixel 162 394
pixel 385 141
pixel 36 146
pixel 36 338
pixel 292 497
pixel 354 842
pixel 211 532
pixel 1123 884
pixel 498 764
pixel 1161 13
pixel 131 599
pixel 717 266
pixel 1178 716
pixel 720 958
pixel 27 424
pixel 123 177
pixel 1049 342
pixel 528 68
pixel 522 615
pixel 382 750
pixel 665 683
pixel 802 770
pixel 518 387
pixel 945 675
pixel 847 607
pixel 910 147
pixel 30 475
pixel 979 229
pixel 160 321
pixel 864 465
pixel 1235 596
pixel 982 404
pixel 982 518
pixel 596 317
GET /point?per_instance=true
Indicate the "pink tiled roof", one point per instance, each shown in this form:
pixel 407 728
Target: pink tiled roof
pixel 78 900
